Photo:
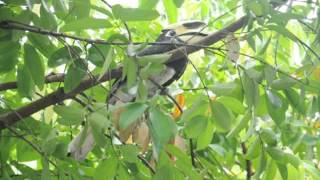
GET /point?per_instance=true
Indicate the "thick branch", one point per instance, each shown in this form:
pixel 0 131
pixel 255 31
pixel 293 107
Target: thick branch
pixel 49 79
pixel 12 117
pixel 208 40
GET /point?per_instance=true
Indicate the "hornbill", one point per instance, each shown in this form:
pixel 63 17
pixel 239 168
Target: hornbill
pixel 171 38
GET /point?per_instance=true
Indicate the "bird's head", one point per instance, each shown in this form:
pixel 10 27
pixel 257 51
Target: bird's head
pixel 185 31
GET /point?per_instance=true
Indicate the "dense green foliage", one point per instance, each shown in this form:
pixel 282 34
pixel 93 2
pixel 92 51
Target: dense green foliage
pixel 258 113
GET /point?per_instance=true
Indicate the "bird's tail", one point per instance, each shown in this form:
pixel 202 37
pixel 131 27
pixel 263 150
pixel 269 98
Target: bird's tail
pixel 82 144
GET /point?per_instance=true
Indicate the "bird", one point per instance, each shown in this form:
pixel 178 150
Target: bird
pixel 171 37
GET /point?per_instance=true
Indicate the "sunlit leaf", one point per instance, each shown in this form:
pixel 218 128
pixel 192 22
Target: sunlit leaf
pixel 196 126
pixel 63 56
pixel 71 115
pixel 254 150
pixel 86 23
pixel 162 128
pixel 9 53
pixel 98 123
pixel 221 116
pixel 34 64
pixel 25 83
pixel 106 168
pixel 75 74
pixel 131 114
pixel 134 14
pixel 171 9
pixel 232 103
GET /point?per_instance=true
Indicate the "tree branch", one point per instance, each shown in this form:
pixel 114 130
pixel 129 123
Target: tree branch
pixel 49 79
pixel 57 96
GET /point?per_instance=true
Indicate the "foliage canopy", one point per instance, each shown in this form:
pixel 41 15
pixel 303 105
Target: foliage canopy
pixel 251 106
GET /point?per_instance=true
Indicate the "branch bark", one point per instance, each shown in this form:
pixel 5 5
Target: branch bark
pixel 57 96
pixel 49 79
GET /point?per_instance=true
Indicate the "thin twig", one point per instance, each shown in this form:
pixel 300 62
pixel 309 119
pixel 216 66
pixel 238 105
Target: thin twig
pixel 32 145
pixel 248 162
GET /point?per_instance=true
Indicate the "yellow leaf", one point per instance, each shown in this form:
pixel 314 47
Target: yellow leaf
pixel 181 101
pixel 317 124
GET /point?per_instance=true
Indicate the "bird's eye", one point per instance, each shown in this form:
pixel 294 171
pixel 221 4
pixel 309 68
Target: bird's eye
pixel 170 33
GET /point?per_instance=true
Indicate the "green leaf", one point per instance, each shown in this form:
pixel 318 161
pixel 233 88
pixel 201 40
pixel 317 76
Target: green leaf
pixel 232 103
pixel 221 116
pixel 269 74
pixel 26 153
pixel 265 46
pixel 107 62
pixel 45 174
pixel 162 128
pixel 205 137
pixel 79 9
pixel 131 68
pixel 151 69
pixel 59 7
pixel 156 58
pixel 42 43
pixel 75 74
pixel 224 89
pixel 86 23
pixel 142 91
pixel 129 153
pixel 277 155
pixel 262 165
pixel 178 3
pixel 9 53
pixel 293 160
pixel 254 150
pixel 164 172
pixel 251 91
pixel 295 101
pixel 98 123
pixel 284 83
pixel 277 114
pixel 171 9
pixel 268 136
pixel 63 56
pixel 256 7
pixel 97 54
pixel 241 125
pixel 106 169
pixel 196 126
pixel 34 64
pixel 134 14
pixel 131 114
pixel 24 81
pixel 47 19
pixel 283 31
pixel 283 170
pixel 71 115
pixel 274 99
pixel 179 154
pixel 148 4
